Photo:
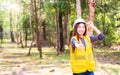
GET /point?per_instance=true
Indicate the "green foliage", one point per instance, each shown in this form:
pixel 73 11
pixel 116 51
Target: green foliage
pixel 62 5
pixel 73 14
pixel 2 17
pixel 26 25
pixel 49 11
pixel 84 8
pixel 106 18
pixel 4 23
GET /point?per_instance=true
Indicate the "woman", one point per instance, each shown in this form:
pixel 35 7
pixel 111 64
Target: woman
pixel 81 54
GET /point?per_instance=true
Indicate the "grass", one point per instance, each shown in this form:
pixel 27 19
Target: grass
pixel 13 57
pixel 112 69
pixel 107 56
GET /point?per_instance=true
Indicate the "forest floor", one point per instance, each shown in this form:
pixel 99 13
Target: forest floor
pixel 14 61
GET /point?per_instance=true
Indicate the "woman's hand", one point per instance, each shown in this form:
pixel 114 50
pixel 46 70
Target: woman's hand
pixel 92 26
pixel 79 45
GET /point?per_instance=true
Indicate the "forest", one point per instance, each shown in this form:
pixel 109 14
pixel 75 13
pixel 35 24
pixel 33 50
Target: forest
pixel 35 35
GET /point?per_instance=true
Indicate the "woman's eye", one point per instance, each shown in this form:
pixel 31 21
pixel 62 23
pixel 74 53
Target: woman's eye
pixel 83 27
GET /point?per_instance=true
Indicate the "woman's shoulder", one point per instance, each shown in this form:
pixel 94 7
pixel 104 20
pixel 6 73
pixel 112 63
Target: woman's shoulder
pixel 87 36
pixel 73 37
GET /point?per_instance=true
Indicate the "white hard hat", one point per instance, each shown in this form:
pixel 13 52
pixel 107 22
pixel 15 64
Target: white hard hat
pixel 79 20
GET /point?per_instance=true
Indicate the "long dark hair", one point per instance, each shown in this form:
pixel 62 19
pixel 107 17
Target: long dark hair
pixel 76 33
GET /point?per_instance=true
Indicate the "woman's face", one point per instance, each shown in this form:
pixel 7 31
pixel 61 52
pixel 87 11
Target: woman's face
pixel 81 29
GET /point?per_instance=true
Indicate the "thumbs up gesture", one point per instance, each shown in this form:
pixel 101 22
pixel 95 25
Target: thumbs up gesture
pixel 79 45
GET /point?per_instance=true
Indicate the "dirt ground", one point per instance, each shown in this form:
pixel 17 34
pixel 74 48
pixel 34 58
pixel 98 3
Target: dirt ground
pixel 49 71
pixel 19 65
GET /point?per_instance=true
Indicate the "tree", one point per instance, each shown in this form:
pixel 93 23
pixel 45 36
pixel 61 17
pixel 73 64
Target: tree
pixel 11 27
pixel 31 25
pixel 37 29
pixel 1 33
pixel 25 20
pixel 91 13
pixel 1 26
pixel 66 21
pixel 107 19
pixel 78 8
pixel 26 27
pixel 59 16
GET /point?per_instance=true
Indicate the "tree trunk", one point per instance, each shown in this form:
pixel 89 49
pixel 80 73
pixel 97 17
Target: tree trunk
pixel 66 27
pixel 21 36
pixel 91 8
pixel 44 31
pixel 31 28
pixel 57 29
pixel 66 23
pixel 11 29
pixel 78 8
pixel 37 30
pixel 1 33
pixel 61 40
pixel 17 27
pixel 40 22
pixel 1 36
pixel 26 36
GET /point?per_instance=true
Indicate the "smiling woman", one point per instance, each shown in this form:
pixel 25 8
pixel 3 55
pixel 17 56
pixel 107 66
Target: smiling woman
pixel 81 54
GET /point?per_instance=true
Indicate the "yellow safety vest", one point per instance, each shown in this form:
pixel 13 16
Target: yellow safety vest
pixel 82 60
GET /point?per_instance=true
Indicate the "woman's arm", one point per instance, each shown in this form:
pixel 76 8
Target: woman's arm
pixel 99 35
pixel 92 26
pixel 76 44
